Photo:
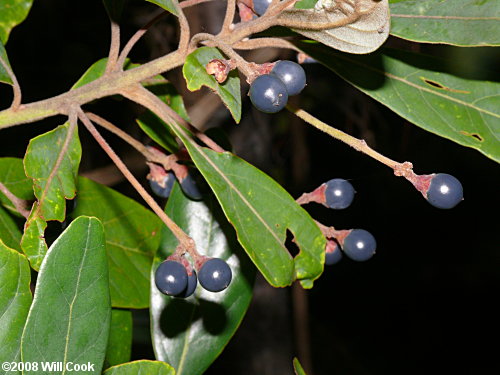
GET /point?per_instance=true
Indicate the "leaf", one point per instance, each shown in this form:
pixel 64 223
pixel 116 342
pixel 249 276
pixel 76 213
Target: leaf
pixel 422 90
pixel 12 13
pixel 15 301
pixel 196 76
pixel 33 240
pixel 363 35
pixel 52 160
pixel 190 333
pixel 69 318
pixel 458 22
pixel 13 177
pixel 261 212
pixel 114 8
pixel 141 367
pixel 168 5
pixel 132 238
pixel 9 231
pixel 305 4
pixel 298 367
pixel 4 65
pixel 120 338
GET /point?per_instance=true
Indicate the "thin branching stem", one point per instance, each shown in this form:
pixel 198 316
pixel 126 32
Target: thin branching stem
pixel 16 88
pixel 114 47
pixel 251 44
pixel 18 203
pixel 185 241
pixel 229 17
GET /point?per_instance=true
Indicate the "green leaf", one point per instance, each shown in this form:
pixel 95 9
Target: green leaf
pixel 12 13
pixel 132 238
pixel 33 240
pixel 190 333
pixel 141 367
pixel 261 212
pixel 151 124
pixel 421 89
pixel 4 65
pixel 70 315
pixel 168 5
pixel 305 4
pixel 298 367
pixel 196 76
pixel 114 8
pixel 9 231
pixel 52 160
pixel 14 178
pixel 120 338
pixel 458 22
pixel 15 301
pixel 96 70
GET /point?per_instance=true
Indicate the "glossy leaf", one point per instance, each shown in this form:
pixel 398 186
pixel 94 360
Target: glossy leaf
pixel 141 367
pixel 14 178
pixel 9 231
pixel 363 35
pixel 168 5
pixel 132 237
pixel 298 367
pixel 15 301
pixel 120 338
pixel 52 160
pixel 4 65
pixel 420 89
pixel 261 212
pixel 196 76
pixel 458 22
pixel 190 333
pixel 12 13
pixel 70 315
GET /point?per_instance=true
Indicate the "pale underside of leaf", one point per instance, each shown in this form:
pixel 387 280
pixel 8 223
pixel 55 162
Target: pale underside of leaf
pixel 364 34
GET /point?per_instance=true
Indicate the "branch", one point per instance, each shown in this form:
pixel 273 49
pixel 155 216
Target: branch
pixel 114 47
pixel 229 17
pixel 16 88
pixel 185 241
pixel 256 43
pixel 19 204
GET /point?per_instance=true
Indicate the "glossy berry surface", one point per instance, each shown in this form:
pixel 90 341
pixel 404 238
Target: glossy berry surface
pixel 333 254
pixel 215 275
pixel 260 6
pixel 171 278
pixel 192 283
pixel 359 245
pixel 445 191
pixel 291 74
pixel 165 190
pixel 339 193
pixel 190 187
pixel 268 93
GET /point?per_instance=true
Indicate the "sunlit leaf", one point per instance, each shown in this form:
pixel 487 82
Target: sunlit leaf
pixel 12 13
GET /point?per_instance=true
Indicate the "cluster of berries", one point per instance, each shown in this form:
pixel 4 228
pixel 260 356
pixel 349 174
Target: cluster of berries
pixel 269 92
pixel 178 279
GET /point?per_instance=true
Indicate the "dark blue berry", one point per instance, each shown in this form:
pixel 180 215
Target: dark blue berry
pixel 359 245
pixel 291 74
pixel 445 191
pixel 333 255
pixel 171 278
pixel 191 285
pixel 260 6
pixel 215 275
pixel 339 193
pixel 165 190
pixel 190 187
pixel 268 93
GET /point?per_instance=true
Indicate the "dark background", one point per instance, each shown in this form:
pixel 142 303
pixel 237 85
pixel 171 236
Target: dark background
pixel 427 301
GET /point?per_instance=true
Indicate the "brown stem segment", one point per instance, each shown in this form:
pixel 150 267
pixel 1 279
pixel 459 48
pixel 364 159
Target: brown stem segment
pixel 185 241
pixel 114 48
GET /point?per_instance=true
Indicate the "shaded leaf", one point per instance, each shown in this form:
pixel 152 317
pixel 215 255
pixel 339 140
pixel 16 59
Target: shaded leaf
pixel 132 237
pixel 52 160
pixel 120 338
pixel 196 76
pixel 458 22
pixel 10 233
pixel 4 64
pixel 168 5
pixel 422 90
pixel 298 367
pixel 141 367
pixel 363 35
pixel 261 212
pixel 69 318
pixel 15 301
pixel 14 178
pixel 190 333
pixel 12 13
